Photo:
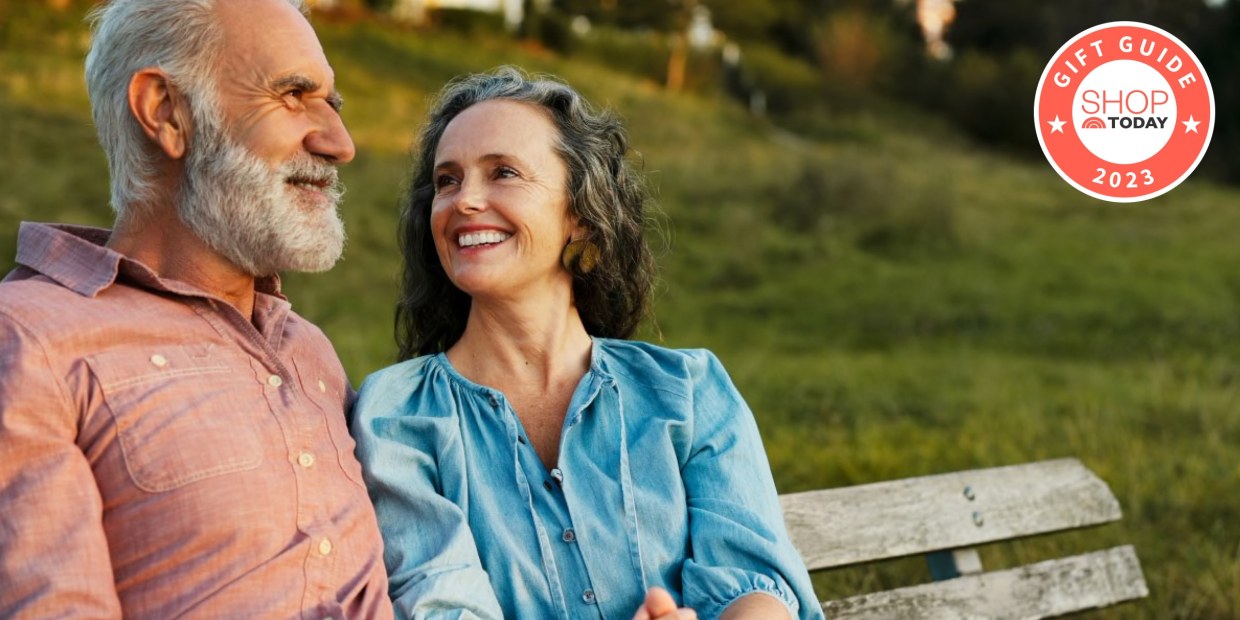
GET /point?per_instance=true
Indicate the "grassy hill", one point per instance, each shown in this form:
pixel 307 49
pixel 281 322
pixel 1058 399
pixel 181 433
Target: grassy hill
pixel 892 300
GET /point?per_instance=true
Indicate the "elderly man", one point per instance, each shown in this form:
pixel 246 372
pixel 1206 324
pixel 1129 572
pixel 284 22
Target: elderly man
pixel 172 435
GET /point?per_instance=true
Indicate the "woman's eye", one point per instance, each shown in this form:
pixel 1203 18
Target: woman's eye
pixel 504 172
pixel 444 180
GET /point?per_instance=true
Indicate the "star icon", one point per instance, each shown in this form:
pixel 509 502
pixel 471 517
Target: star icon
pixel 1190 124
pixel 1057 125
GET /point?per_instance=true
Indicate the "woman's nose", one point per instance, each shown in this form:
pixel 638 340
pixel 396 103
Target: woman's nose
pixel 470 197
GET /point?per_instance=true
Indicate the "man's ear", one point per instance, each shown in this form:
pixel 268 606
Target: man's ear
pixel 160 110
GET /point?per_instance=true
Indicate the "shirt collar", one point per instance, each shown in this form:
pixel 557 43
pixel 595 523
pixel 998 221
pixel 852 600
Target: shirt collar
pixel 78 259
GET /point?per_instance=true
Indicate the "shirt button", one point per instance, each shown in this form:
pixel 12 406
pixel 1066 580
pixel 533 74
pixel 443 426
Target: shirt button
pixel 588 597
pixel 305 459
pixel 275 381
pixel 569 535
pixel 325 546
pixel 558 475
pixel 322 386
pixel 159 361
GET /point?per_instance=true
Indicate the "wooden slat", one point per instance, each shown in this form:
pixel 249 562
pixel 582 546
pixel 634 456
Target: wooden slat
pixel 837 527
pixel 1042 590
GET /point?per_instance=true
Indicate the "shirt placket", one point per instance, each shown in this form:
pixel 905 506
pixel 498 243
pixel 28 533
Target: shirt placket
pixel 606 534
pixel 555 525
pixel 299 425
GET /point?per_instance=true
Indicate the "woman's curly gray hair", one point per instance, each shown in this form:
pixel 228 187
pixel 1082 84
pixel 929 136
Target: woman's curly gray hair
pixel 605 194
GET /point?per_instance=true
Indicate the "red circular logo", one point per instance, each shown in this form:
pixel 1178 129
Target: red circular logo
pixel 1124 111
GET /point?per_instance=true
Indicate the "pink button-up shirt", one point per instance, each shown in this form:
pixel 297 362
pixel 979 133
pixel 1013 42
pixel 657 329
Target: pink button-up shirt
pixel 161 456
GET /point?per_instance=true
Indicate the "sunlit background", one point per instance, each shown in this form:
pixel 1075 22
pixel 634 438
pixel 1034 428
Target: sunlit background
pixel 854 213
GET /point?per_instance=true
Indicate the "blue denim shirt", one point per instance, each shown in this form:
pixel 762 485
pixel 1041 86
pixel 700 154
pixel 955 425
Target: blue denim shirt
pixel 661 480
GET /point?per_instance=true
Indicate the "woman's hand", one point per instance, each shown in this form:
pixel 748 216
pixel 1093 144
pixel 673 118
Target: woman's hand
pixel 660 606
pixel 756 605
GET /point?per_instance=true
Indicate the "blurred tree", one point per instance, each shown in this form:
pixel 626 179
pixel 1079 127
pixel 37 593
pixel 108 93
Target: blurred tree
pixel 1219 50
pixel 853 46
pixel 631 14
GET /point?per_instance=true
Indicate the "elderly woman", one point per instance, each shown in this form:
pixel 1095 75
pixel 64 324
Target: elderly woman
pixel 524 459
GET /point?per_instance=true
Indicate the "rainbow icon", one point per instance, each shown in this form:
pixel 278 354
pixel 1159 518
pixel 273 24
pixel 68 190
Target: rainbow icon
pixel 1093 122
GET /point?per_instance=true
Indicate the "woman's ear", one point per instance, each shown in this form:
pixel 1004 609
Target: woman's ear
pixel 160 110
pixel 577 229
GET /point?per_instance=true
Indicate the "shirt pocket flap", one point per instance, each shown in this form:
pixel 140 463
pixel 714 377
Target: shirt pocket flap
pixel 182 412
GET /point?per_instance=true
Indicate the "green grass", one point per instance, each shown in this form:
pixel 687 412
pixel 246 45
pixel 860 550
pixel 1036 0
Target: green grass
pixel 892 300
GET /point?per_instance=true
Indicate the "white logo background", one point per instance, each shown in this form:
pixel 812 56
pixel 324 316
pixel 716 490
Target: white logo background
pixel 1116 145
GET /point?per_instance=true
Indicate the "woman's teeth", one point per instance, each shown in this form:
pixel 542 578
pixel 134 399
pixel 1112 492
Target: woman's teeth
pixel 481 238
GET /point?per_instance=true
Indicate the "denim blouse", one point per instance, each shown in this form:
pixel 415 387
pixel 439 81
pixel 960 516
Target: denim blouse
pixel 661 481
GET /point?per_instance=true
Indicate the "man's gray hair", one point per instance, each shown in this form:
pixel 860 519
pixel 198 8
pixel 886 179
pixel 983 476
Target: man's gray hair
pixel 181 37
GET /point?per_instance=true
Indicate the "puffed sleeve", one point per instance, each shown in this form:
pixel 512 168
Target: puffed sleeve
pixel 738 542
pixel 432 561
pixel 54 558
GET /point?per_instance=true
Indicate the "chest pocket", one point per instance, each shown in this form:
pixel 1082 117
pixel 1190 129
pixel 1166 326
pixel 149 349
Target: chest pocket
pixel 180 413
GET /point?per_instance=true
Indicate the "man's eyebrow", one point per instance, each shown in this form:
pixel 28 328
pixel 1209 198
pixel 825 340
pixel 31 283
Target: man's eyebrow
pixel 301 82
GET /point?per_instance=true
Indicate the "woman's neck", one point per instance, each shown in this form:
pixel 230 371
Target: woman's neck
pixel 535 354
pixel 512 344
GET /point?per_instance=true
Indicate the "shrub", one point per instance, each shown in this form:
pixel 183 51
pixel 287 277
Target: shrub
pixel 787 82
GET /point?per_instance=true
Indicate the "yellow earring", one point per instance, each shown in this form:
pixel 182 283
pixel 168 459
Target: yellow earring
pixel 580 256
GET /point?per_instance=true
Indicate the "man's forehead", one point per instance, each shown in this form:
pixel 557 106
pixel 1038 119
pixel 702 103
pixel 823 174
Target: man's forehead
pixel 272 38
pixel 276 23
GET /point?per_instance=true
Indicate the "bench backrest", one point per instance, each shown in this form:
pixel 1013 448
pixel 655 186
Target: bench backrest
pixel 945 516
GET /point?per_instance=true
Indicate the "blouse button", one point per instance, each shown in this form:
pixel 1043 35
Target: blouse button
pixel 588 597
pixel 159 361
pixel 275 381
pixel 569 535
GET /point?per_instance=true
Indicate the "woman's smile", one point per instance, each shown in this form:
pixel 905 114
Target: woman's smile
pixel 500 216
pixel 481 239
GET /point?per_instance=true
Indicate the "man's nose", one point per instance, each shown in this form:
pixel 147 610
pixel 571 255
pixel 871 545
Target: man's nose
pixel 331 139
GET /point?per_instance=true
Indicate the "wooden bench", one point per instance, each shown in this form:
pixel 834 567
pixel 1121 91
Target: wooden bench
pixel 946 516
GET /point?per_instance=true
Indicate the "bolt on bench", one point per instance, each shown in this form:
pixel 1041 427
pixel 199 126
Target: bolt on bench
pixel 946 516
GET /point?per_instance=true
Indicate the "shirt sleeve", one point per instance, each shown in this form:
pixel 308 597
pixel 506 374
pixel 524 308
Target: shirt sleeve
pixel 432 561
pixel 738 542
pixel 54 558
pixel 350 405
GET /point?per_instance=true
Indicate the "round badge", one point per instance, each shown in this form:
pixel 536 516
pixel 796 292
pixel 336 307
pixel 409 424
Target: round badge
pixel 1124 111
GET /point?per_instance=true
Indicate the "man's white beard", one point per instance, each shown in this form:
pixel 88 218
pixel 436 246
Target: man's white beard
pixel 251 215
